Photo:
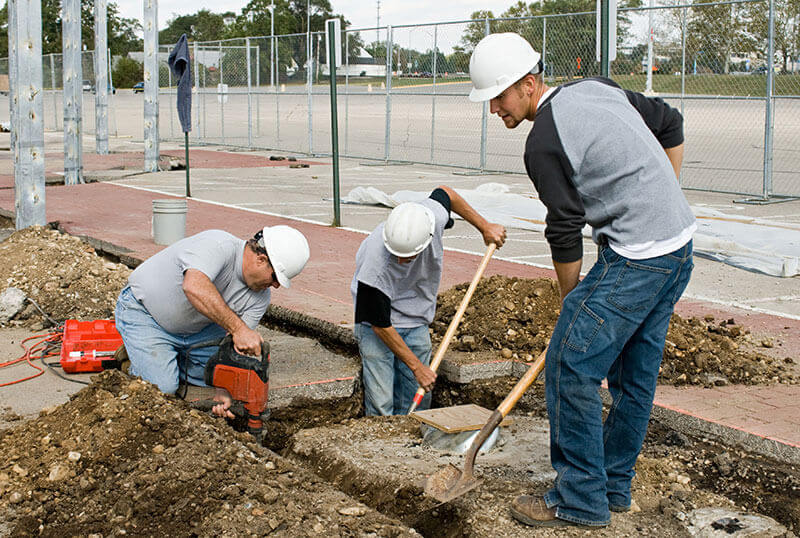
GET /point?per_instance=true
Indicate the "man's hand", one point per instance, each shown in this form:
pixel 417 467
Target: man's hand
pixel 494 233
pixel 222 409
pixel 425 377
pixel 247 341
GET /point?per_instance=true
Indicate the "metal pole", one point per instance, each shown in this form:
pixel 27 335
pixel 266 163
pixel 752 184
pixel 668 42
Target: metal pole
pixel 768 123
pixel 151 152
pixel 222 95
pixel 25 101
pixel 53 85
pixel 346 91
pixel 171 108
pixel 605 63
pixel 277 101
pixel 196 81
pixel 310 99
pixel 249 96
pixel 683 75
pixel 334 122
pixel 111 98
pixel 388 123
pixel 101 77
pixel 258 89
pixel 433 97
pixel 650 37
pixel 73 86
pixel 203 101
pixel 271 43
pixel 484 113
pixel 544 46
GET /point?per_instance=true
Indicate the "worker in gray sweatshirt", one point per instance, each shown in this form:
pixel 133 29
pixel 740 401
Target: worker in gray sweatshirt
pixel 606 157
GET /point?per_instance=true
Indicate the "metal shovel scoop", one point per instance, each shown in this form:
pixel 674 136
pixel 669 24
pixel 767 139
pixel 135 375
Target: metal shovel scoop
pixel 450 482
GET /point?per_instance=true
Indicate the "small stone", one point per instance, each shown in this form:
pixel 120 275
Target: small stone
pixel 15 497
pixel 319 528
pixel 512 332
pixel 355 511
pixel 158 449
pixel 258 512
pixel 19 470
pixel 506 353
pixel 269 466
pixel 767 342
pixel 74 456
pixel 58 473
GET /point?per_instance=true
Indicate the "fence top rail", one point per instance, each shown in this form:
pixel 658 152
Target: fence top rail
pixel 494 19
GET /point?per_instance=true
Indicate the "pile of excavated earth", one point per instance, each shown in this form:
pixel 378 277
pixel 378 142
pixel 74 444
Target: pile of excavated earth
pixel 514 318
pixel 121 458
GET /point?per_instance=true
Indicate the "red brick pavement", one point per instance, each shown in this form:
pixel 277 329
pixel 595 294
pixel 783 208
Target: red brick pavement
pixel 121 217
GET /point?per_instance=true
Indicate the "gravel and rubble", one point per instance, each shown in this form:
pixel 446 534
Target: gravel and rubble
pixel 513 318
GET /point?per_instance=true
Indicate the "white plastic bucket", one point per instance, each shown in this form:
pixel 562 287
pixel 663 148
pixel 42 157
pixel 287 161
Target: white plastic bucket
pixel 169 221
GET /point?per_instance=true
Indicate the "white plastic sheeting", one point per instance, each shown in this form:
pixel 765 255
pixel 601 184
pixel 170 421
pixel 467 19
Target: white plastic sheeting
pixel 753 244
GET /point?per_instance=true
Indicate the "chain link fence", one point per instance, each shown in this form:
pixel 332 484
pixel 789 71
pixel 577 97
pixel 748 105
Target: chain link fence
pixel 402 91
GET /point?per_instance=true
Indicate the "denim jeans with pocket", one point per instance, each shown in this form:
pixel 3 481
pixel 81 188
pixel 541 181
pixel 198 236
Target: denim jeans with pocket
pixel 613 325
pixel 158 356
pixel 389 385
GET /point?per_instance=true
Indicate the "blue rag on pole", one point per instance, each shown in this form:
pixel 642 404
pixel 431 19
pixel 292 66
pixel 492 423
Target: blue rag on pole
pixel 181 67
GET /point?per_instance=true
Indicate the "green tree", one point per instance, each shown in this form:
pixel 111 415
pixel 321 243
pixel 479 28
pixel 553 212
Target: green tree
pixel 201 26
pixel 121 31
pixel 127 72
pixel 787 30
pixel 568 38
pixel 716 32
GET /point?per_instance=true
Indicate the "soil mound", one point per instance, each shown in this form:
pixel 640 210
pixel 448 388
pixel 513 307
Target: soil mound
pixel 516 317
pixel 123 458
pixel 62 274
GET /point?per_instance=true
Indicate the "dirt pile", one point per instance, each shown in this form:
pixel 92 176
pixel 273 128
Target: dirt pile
pixel 123 458
pixel 62 274
pixel 515 317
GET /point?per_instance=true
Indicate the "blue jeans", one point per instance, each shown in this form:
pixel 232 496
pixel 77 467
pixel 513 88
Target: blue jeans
pixel 158 356
pixel 612 325
pixel 389 385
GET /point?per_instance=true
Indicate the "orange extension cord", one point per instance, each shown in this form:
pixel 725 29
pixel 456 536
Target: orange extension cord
pixel 47 345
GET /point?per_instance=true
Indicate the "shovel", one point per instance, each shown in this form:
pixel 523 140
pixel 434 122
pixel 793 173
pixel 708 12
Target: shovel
pixel 451 329
pixel 449 482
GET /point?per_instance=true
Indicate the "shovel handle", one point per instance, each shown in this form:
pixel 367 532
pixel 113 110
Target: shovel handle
pixel 451 329
pixel 522 385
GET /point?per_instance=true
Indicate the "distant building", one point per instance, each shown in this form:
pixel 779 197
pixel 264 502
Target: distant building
pixel 363 65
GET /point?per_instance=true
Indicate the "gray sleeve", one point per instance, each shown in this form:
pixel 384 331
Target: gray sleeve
pixel 252 316
pixel 209 257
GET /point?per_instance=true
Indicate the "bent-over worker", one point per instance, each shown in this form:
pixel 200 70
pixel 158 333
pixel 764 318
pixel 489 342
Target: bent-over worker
pixel 196 291
pixel 398 270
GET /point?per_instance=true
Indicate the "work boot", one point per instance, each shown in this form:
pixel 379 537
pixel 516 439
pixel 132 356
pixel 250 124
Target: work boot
pixel 532 510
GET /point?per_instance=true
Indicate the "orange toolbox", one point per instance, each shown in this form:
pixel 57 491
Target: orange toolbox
pixel 89 346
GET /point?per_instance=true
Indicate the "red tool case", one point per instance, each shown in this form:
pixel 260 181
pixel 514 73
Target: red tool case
pixel 89 346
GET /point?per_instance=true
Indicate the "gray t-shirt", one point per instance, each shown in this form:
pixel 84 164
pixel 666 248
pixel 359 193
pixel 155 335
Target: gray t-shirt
pixel 158 282
pixel 411 287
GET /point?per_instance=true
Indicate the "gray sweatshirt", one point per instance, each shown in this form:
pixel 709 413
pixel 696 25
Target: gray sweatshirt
pixel 596 155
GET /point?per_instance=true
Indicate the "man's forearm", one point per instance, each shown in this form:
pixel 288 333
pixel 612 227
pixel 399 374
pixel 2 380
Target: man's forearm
pixel 675 156
pixel 460 207
pixel 204 296
pixel 568 275
pixel 395 343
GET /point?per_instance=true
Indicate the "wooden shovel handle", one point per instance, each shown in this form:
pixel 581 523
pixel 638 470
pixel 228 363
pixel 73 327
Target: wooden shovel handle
pixel 451 329
pixel 522 385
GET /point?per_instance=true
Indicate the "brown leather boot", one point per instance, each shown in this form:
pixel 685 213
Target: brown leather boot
pixel 532 510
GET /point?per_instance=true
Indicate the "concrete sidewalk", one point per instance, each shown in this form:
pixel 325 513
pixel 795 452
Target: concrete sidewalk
pixel 116 216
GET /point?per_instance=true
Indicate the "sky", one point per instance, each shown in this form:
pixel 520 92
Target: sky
pixel 360 13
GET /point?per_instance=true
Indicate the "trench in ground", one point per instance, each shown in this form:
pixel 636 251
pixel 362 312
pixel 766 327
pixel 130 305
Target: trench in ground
pixel 755 483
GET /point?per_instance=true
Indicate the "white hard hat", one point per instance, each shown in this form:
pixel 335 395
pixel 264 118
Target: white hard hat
pixel 497 62
pixel 287 249
pixel 408 230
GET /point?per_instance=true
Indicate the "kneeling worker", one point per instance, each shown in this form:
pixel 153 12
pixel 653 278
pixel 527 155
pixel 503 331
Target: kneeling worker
pixel 398 270
pixel 198 290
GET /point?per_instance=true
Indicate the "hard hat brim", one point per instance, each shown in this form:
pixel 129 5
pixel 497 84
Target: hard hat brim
pixel 486 94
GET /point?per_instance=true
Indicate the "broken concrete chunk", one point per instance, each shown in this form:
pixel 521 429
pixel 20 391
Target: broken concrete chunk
pixel 355 511
pixel 12 301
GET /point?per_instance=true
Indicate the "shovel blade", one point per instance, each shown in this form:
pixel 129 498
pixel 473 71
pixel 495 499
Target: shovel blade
pixel 448 483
